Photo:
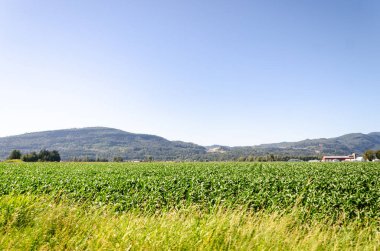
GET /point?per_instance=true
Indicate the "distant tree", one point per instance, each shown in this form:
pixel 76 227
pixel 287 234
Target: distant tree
pixel 378 154
pixel 260 159
pixel 149 158
pixel 85 159
pixel 270 157
pixel 241 159
pixel 118 159
pixel 369 155
pixel 15 154
pixel 54 156
pixel 98 159
pixel 251 158
pixel 30 157
pixel 46 156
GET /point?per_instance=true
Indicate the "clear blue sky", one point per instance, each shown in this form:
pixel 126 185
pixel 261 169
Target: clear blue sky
pixel 209 72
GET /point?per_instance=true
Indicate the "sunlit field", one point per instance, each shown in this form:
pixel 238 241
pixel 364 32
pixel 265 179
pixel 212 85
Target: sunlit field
pixel 191 206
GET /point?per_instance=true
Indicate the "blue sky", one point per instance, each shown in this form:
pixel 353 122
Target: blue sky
pixel 209 72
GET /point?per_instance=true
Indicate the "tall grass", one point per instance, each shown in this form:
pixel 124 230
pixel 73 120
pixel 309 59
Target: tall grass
pixel 30 222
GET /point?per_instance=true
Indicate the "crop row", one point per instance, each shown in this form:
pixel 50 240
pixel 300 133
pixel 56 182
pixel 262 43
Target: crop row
pixel 317 189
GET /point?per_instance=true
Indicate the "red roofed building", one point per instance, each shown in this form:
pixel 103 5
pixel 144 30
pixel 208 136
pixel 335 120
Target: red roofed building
pixel 339 158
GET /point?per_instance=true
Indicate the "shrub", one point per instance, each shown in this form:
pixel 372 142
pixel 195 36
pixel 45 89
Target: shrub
pixel 15 154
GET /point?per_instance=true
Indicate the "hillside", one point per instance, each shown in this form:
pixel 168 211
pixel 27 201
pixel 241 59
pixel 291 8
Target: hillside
pixel 107 143
pixel 100 142
pixel 343 145
pixel 354 142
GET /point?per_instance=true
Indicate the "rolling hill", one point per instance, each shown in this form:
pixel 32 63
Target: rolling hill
pixel 354 142
pixel 343 145
pixel 102 142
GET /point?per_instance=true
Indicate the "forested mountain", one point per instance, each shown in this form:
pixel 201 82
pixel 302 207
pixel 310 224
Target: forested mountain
pixel 100 142
pixel 343 145
pixel 107 143
pixel 354 142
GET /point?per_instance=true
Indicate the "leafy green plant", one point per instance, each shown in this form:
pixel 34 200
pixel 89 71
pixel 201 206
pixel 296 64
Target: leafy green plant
pixel 316 189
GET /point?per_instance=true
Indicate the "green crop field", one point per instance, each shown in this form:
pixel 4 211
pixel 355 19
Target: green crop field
pixel 202 206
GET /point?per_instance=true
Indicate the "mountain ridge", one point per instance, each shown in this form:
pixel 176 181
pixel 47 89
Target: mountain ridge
pixel 105 142
pixel 99 142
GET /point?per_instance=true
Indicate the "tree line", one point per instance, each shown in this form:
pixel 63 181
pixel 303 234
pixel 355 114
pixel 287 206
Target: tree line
pixel 97 159
pixel 54 156
pixel 371 155
pixel 43 156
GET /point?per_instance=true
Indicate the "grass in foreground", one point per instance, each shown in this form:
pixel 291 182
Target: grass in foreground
pixel 30 222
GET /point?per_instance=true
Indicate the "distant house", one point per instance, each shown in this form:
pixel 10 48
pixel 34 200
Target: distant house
pixel 339 158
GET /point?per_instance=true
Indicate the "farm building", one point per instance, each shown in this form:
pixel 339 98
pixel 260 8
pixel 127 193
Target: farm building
pixel 339 158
